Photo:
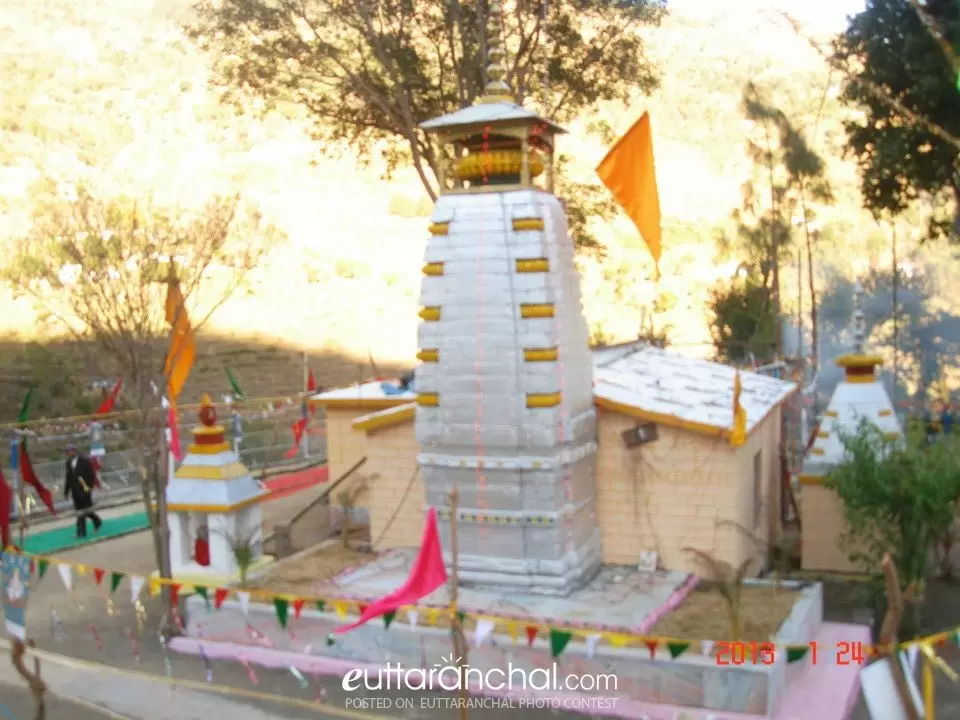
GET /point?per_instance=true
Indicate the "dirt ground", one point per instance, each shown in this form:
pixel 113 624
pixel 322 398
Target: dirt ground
pixel 704 614
pixel 300 575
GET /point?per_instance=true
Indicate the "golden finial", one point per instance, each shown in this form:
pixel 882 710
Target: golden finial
pixel 497 89
pixel 208 413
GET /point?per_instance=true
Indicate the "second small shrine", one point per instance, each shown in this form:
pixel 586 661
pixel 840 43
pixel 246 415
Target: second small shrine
pixel 213 508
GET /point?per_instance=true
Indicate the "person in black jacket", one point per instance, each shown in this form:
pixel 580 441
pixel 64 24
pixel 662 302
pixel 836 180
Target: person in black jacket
pixel 81 478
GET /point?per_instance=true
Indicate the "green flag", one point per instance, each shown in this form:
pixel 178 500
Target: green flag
pixel 282 606
pixel 202 592
pixel 115 578
pixel 25 408
pixel 235 385
pixel 796 653
pixel 321 604
pixel 677 648
pixel 388 618
pixel 42 566
pixel 558 641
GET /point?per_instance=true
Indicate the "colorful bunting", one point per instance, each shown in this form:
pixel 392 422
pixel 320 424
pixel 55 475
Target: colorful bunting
pixel 531 634
pixel 282 607
pixel 412 616
pixel 115 578
pixel 219 595
pixel 677 648
pixel 592 642
pixel 66 574
pixel 320 605
pixel 202 592
pixel 174 593
pixel 652 647
pixel 98 574
pixel 244 597
pixel 388 618
pixel 483 631
pixel 558 641
pixel 297 607
pixel 136 587
pixel 42 567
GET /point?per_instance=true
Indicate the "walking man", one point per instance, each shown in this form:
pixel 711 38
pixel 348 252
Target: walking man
pixel 80 480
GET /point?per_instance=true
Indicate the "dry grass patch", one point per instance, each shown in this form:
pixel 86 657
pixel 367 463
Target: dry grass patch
pixel 301 575
pixel 704 615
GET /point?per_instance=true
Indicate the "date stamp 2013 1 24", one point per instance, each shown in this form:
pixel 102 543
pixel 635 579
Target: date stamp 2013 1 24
pixel 765 653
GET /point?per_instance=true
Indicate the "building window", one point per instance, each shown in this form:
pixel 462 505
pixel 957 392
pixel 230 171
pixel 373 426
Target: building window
pixel 757 487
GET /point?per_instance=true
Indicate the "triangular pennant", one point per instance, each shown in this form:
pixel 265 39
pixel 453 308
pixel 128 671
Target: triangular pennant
pixel 558 641
pixel 531 634
pixel 652 647
pixel 412 616
pixel 175 593
pixel 219 595
pixel 677 648
pixel 82 570
pixel 362 607
pixel 461 616
pixel 483 630
pixel 282 607
pixel 115 578
pixel 388 618
pixel 98 574
pixel 66 575
pixel 42 566
pixel 706 647
pixel 244 597
pixel 592 641
pixel 340 608
pixel 136 587
pixel 513 632
pixel 297 607
pixel 320 605
pixel 798 652
pixel 155 587
pixel 330 640
pixel 912 652
pixel 618 640
pixel 432 615
pixel 202 592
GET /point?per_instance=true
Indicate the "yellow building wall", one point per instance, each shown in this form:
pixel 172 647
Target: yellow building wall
pixel 345 447
pixel 671 493
pixel 821 513
pixel 395 489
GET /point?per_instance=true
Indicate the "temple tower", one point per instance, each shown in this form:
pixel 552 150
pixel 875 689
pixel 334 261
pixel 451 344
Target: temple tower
pixel 505 389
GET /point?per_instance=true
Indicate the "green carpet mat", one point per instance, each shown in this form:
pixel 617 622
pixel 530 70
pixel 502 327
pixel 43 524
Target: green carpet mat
pixel 46 542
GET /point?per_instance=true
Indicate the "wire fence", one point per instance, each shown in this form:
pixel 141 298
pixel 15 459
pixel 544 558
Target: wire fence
pixel 263 438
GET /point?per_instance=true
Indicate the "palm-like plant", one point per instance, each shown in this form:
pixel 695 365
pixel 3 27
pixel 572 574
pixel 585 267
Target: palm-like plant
pixel 779 551
pixel 243 546
pixel 729 583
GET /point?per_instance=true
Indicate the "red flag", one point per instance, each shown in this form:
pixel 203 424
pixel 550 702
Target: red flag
pixel 311 381
pixel 6 503
pixel 427 574
pixel 30 477
pixel 107 405
pixel 298 427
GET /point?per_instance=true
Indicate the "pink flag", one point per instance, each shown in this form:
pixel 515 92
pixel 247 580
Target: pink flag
pixel 174 434
pixel 427 574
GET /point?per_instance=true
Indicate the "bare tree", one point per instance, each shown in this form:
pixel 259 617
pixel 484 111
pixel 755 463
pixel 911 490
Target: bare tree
pixel 100 268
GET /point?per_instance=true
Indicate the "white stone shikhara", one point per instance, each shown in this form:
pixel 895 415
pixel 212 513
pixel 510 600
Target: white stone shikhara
pixel 524 475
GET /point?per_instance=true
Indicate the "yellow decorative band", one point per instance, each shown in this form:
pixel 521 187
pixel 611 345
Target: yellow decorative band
pixel 481 164
pixel 211 472
pixel 536 311
pixel 544 355
pixel 860 379
pixel 433 269
pixel 428 399
pixel 428 356
pixel 533 266
pixel 543 400
pixel 823 434
pixel 830 413
pixel 212 430
pixel 430 314
pixel 190 507
pixel 520 224
pixel 439 228
pixel 816 451
pixel 885 413
pixel 195 449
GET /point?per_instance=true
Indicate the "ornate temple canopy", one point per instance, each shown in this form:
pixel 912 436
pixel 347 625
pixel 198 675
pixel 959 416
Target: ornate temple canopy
pixel 496 141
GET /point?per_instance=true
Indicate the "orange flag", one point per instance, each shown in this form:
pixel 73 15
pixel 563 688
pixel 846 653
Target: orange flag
pixel 628 172
pixel 183 343
pixel 738 435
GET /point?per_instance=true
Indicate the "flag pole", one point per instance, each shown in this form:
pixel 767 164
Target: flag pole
pixel 459 642
pixel 304 443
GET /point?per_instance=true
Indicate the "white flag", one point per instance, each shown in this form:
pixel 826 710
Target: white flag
pixel 66 574
pixel 483 631
pixel 412 616
pixel 592 641
pixel 707 647
pixel 244 598
pixel 136 585
pixel 912 652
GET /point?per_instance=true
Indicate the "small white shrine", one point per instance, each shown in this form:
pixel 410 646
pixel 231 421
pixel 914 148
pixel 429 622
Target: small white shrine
pixel 213 506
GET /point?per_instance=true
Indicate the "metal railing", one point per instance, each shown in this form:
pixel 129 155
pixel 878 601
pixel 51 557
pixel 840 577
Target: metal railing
pixel 120 469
